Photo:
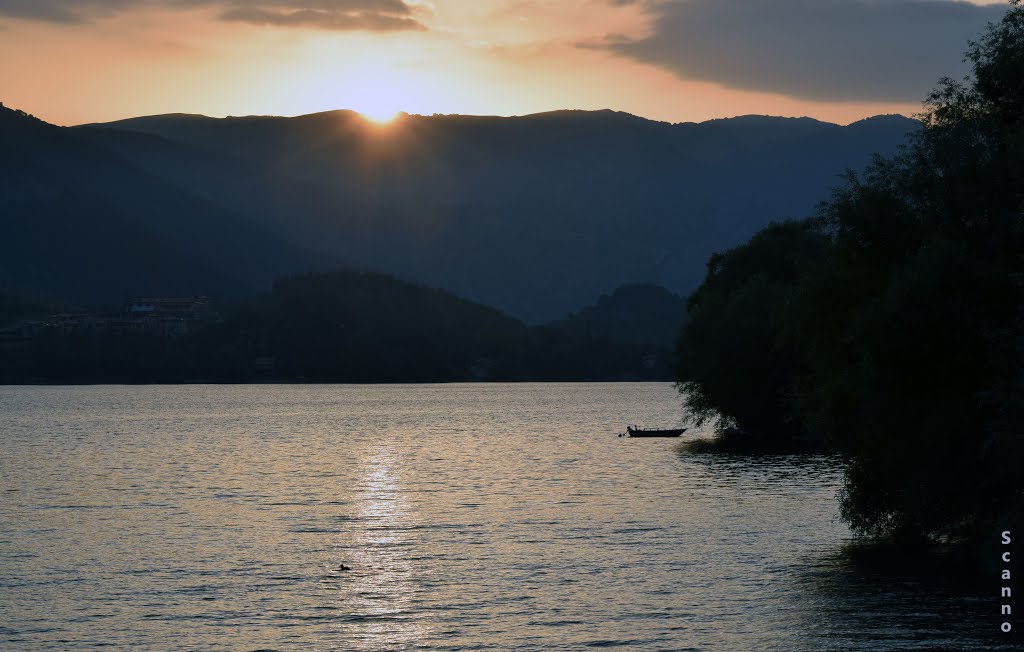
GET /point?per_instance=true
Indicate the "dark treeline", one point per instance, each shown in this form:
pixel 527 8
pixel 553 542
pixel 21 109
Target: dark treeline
pixel 356 327
pixel 889 326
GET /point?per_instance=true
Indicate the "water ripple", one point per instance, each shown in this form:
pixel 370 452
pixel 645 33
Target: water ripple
pixel 472 517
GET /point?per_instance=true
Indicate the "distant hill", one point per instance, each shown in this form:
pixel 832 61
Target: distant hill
pixel 535 214
pixel 368 327
pixel 646 316
pixel 349 326
pixel 82 223
pixel 628 334
pixel 365 327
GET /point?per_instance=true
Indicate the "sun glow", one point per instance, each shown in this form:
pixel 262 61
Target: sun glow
pixel 379 92
pixel 380 116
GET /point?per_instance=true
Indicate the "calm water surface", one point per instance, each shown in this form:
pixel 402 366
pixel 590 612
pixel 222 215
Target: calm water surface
pixel 474 517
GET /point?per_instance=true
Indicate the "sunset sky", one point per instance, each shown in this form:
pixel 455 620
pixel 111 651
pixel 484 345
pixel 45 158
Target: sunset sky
pixel 77 61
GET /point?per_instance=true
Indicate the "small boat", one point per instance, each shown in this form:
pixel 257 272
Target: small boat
pixel 641 432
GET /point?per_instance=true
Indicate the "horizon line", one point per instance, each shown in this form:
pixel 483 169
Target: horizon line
pixel 405 114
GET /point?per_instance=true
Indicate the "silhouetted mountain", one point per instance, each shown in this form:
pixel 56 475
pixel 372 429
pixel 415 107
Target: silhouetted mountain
pixel 628 334
pixel 534 214
pixel 84 224
pixel 343 326
pixel 365 327
pixel 359 326
pixel 645 316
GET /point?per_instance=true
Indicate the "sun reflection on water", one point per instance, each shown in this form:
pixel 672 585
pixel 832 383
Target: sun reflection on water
pixel 379 591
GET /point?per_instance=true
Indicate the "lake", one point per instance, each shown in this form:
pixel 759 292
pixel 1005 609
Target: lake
pixel 473 517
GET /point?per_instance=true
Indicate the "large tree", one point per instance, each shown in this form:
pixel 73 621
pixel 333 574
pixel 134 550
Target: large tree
pixel 903 345
pixel 913 371
pixel 735 365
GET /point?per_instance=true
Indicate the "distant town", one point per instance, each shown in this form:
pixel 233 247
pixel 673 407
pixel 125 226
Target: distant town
pixel 165 316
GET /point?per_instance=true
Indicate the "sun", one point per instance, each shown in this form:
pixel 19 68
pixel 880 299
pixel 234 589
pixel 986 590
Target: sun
pixel 379 92
pixel 380 115
pixel 379 95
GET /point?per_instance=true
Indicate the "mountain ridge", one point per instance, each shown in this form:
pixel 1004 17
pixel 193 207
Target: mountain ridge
pixel 86 225
pixel 535 215
pixel 555 113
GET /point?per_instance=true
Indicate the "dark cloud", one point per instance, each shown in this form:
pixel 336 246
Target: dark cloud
pixel 56 11
pixel 322 18
pixel 371 15
pixel 882 50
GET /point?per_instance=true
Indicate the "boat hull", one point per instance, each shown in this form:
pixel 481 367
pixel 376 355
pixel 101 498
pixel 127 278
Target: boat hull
pixel 674 432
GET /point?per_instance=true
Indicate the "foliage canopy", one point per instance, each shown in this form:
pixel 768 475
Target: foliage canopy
pixel 898 340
